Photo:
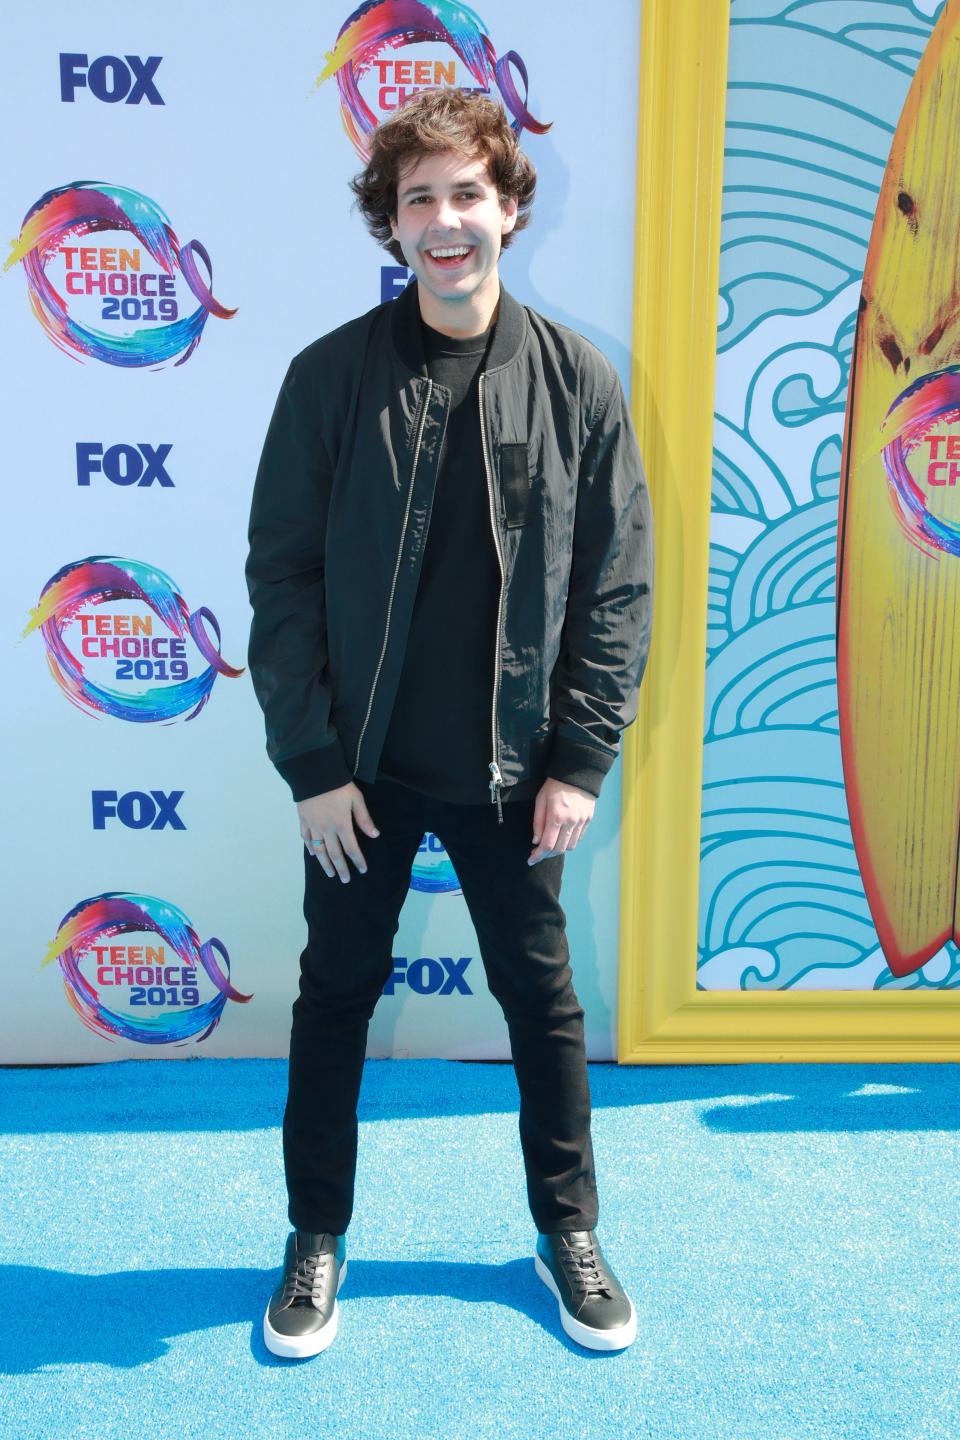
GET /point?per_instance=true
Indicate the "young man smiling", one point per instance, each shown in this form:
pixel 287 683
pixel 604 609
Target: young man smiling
pixel 450 225
pixel 450 570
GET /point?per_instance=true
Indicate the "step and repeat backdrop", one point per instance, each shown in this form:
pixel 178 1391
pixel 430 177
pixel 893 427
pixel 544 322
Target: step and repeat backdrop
pixel 178 226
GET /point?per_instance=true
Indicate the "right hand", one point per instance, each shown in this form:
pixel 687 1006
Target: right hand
pixel 329 818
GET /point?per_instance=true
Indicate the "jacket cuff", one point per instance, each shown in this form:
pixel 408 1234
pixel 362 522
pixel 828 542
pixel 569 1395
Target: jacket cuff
pixel 316 771
pixel 578 764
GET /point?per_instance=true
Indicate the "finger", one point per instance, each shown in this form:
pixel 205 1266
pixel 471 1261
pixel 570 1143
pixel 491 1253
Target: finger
pixel 548 841
pixel 310 844
pixel 316 849
pixel 539 810
pixel 348 841
pixel 324 859
pixel 337 859
pixel 365 819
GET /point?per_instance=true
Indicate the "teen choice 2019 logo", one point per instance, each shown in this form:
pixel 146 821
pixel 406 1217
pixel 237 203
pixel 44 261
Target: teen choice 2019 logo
pixel 432 872
pixel 105 620
pixel 922 461
pixel 134 298
pixel 164 989
pixel 444 44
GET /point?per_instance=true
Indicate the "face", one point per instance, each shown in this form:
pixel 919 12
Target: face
pixel 445 203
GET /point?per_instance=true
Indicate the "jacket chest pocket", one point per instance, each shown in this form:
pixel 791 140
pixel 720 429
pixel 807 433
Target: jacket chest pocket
pixel 514 484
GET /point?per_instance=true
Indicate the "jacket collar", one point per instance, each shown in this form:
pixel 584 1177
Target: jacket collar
pixel 407 336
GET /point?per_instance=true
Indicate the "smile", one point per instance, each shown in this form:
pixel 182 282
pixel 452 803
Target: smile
pixel 449 254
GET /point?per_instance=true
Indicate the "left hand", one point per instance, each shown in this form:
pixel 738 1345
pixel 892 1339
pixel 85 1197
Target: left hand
pixel 560 816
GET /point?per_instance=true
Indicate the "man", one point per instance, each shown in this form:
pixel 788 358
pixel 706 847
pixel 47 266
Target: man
pixel 450 571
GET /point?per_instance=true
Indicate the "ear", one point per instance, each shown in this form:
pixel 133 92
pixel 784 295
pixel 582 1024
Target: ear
pixel 509 210
pixel 393 226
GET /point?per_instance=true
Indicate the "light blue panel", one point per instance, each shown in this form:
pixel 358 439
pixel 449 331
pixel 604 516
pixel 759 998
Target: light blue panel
pixel 814 95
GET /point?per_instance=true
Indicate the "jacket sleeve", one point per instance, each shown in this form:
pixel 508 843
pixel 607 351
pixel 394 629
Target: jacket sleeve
pixel 606 633
pixel 284 571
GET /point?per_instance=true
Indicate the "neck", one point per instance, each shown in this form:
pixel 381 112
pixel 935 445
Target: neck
pixel 461 318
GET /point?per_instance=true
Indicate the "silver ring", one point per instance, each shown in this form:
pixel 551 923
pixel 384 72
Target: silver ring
pixel 321 843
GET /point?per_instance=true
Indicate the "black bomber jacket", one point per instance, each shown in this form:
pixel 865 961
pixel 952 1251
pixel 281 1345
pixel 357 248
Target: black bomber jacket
pixel 338 525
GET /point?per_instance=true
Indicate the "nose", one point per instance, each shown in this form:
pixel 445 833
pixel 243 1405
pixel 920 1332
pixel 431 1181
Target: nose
pixel 446 215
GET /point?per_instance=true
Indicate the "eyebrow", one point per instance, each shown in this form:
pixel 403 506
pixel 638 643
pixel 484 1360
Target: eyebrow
pixel 458 184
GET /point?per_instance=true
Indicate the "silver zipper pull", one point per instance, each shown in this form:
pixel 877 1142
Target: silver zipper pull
pixel 495 783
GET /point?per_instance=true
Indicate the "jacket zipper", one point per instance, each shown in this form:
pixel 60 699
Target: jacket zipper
pixel 396 570
pixel 496 779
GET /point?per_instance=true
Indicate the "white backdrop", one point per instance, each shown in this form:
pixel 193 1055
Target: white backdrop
pixel 227 135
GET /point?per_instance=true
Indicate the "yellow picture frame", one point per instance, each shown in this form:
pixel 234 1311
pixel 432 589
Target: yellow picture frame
pixel 662 1017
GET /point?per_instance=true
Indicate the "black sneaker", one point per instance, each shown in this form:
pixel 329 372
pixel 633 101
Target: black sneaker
pixel 595 1310
pixel 302 1316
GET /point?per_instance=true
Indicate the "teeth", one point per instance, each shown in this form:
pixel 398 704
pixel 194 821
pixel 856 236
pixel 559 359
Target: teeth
pixel 451 250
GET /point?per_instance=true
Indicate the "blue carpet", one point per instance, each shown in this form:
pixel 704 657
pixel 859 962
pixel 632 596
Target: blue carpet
pixel 787 1234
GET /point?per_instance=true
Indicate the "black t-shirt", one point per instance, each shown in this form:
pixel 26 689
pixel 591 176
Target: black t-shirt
pixel 440 737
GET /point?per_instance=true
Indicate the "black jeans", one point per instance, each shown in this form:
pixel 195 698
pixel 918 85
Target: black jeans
pixel 516 912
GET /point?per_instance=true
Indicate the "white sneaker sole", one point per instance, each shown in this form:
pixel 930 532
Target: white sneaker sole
pixel 298 1347
pixel 587 1335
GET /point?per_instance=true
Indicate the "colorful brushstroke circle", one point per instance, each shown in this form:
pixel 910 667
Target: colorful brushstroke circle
pixel 100 578
pixel 931 398
pixel 380 25
pixel 87 207
pixel 117 913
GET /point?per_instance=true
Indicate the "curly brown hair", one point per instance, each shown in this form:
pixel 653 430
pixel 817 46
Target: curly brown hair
pixel 428 123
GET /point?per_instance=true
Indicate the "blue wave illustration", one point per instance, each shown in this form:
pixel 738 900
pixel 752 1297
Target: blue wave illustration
pixel 814 94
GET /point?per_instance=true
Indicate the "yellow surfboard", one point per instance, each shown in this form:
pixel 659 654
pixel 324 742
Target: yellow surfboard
pixel 898 544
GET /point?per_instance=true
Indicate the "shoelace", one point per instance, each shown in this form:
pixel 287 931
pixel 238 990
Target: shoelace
pixel 584 1269
pixel 304 1277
